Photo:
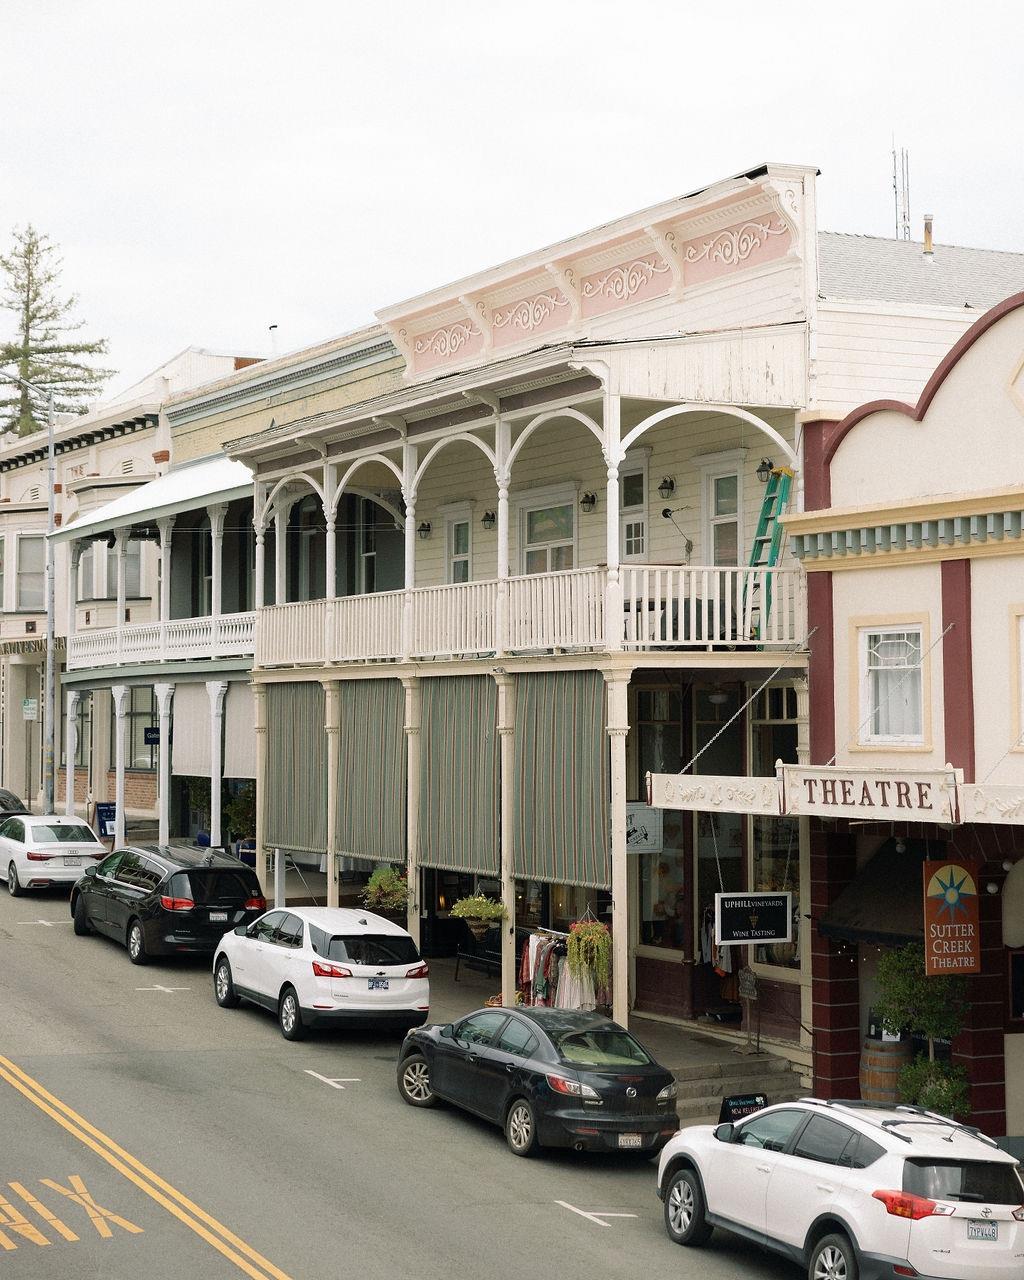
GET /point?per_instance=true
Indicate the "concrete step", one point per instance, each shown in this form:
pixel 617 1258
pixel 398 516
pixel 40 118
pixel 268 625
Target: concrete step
pixel 772 1083
pixel 735 1066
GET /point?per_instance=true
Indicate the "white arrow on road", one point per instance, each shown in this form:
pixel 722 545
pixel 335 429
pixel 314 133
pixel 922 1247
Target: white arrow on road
pixel 596 1216
pixel 48 923
pixel 338 1083
pixel 160 988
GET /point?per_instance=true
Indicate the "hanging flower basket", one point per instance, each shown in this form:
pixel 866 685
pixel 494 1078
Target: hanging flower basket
pixel 480 914
pixel 479 928
pixel 386 891
pixel 589 950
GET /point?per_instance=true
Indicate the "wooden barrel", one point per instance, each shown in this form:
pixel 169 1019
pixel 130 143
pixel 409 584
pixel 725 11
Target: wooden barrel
pixel 881 1061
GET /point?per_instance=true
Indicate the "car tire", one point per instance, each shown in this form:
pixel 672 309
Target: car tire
pixel 414 1081
pixel 289 1015
pixel 136 943
pixel 685 1209
pixel 82 926
pixel 833 1258
pixel 13 883
pixel 223 986
pixel 521 1128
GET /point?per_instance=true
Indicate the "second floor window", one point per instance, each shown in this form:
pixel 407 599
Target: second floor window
pixel 548 537
pixel 31 567
pixel 132 571
pixel 892 701
pixel 633 515
pixel 723 517
pixel 458 550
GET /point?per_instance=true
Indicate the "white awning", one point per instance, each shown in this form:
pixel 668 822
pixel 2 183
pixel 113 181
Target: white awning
pixel 185 488
pixel 190 746
pixel 239 732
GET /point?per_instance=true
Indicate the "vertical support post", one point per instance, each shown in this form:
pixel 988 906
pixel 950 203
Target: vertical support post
pixel 121 554
pixel 502 447
pixel 409 463
pixel 120 693
pixel 166 528
pixel 332 724
pixel 70 749
pixel 280 550
pixel 216 514
pixel 164 694
pixel 280 883
pixel 413 705
pixel 330 519
pixel 74 560
pixel 506 764
pixel 259 694
pixel 617 684
pixel 803 756
pixel 613 624
pixel 216 689
pixel 260 570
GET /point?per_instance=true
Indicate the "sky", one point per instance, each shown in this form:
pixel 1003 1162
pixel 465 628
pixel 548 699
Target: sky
pixel 210 169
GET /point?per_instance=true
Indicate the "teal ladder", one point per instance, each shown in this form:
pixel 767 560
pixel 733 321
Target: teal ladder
pixel 767 544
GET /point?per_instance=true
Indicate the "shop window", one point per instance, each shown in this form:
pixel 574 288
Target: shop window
pixel 31 567
pixel 658 726
pixel 892 701
pixel 775 842
pixel 140 715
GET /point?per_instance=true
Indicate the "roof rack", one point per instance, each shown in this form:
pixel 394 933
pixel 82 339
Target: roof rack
pixel 933 1117
pixel 854 1105
pixel 922 1117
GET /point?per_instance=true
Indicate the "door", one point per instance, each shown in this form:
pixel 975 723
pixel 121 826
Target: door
pixel 132 882
pixel 256 956
pixel 12 846
pixel 501 1068
pixel 456 1060
pixel 284 961
pixel 97 891
pixel 738 1173
pixel 805 1183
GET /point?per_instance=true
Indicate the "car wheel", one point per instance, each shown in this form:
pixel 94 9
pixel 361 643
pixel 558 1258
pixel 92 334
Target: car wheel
pixel 289 1015
pixel 137 943
pixel 834 1258
pixel 685 1219
pixel 223 987
pixel 521 1128
pixel 414 1081
pixel 13 883
pixel 82 926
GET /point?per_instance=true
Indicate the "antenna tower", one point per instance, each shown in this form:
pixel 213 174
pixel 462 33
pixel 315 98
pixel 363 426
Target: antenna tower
pixel 901 190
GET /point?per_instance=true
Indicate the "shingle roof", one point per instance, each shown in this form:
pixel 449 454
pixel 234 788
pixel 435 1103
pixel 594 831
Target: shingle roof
pixel 855 268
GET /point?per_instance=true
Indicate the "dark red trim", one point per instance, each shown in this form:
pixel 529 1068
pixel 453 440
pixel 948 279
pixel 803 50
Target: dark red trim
pixel 821 667
pixel 817 481
pixel 917 412
pixel 957 666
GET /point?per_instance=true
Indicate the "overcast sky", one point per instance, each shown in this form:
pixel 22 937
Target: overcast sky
pixel 212 168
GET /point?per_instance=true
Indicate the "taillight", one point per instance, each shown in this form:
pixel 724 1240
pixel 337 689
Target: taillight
pixel 322 970
pixel 1019 1214
pixel 40 857
pixel 255 904
pixel 176 904
pixel 420 971
pixel 572 1088
pixel 902 1204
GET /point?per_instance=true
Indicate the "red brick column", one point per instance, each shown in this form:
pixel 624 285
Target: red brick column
pixel 835 989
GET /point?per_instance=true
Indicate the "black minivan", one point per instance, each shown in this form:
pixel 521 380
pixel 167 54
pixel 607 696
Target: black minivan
pixel 166 899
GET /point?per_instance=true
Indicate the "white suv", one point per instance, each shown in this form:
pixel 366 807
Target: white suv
pixel 851 1190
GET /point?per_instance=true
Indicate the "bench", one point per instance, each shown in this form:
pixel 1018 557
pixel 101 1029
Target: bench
pixel 481 957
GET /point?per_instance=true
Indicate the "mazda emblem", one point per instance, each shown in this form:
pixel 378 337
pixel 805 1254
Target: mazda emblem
pixel 631 1092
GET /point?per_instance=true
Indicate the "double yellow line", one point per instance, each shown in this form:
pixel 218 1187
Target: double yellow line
pixel 198 1220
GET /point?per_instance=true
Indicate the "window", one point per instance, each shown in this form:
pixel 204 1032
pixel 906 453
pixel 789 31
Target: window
pixel 83 731
pixel 517 1038
pixel 658 733
pixel 132 571
pixel 974 1181
pixel 775 842
pixel 771 1132
pixel 267 926
pixel 31 570
pixel 86 573
pixel 892 704
pixel 289 933
pixel 214 887
pixel 633 513
pixel 13 829
pixel 601 1047
pixel 479 1028
pixel 139 872
pixel 57 832
pixel 823 1140
pixel 458 551
pixel 373 949
pixel 109 865
pixel 140 715
pixel 548 538
pixel 722 506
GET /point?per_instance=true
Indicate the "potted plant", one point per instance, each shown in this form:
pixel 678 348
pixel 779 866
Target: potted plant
pixel 240 817
pixel 480 914
pixel 386 890
pixel 589 950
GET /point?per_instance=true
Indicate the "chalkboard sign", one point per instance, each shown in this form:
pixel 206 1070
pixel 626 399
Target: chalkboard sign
pixel 753 917
pixel 747 983
pixel 106 818
pixel 740 1105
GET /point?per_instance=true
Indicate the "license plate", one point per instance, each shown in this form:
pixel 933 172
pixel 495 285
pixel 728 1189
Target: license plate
pixel 379 984
pixel 218 915
pixel 631 1140
pixel 72 862
pixel 982 1230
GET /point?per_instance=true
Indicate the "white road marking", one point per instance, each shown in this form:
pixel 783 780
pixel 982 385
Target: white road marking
pixel 338 1083
pixel 49 923
pixel 160 988
pixel 597 1215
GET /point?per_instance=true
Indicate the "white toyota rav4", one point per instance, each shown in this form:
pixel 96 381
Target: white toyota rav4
pixel 851 1191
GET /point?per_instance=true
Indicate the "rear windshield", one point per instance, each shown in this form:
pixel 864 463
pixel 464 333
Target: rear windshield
pixel 62 833
pixel 215 885
pixel 373 949
pixel 976 1181
pixel 601 1047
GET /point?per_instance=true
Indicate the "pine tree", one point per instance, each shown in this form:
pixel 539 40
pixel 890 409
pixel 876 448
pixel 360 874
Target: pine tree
pixel 43 350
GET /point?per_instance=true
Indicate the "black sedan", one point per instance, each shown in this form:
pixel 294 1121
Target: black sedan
pixel 549 1077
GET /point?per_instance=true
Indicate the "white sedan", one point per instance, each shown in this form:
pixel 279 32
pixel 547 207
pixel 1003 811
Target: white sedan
pixel 324 966
pixel 40 852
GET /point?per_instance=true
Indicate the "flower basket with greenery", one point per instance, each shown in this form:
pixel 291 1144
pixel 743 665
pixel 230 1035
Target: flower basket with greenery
pixel 589 949
pixel 386 890
pixel 480 913
pixel 908 1000
pixel 936 1086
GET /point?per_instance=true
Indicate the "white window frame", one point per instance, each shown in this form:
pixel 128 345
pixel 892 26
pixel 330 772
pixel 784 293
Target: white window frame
pixel 866 700
pixel 21 539
pixel 540 500
pixel 714 467
pixel 634 466
pixel 456 514
pixel 1017 676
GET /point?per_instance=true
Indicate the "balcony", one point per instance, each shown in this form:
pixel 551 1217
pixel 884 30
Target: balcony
pixel 664 607
pixel 228 635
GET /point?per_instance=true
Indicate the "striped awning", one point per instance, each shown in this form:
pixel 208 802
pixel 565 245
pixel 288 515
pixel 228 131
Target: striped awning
pixel 458 820
pixel 561 826
pixel 373 770
pixel 296 783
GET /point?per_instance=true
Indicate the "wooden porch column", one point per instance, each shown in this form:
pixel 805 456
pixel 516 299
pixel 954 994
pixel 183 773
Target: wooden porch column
pixel 260 570
pixel 613 594
pixel 217 514
pixel 617 684
pixel 74 560
pixel 506 746
pixel 121 538
pixel 413 703
pixel 164 694
pixel 120 693
pixel 332 726
pixel 166 528
pixel 281 515
pixel 330 519
pixel 502 446
pixel 216 689
pixel 410 458
pixel 259 696
pixel 70 749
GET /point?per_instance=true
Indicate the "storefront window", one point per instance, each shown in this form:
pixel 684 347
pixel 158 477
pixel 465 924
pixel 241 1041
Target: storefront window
pixel 140 715
pixel 664 915
pixel 664 912
pixel 775 842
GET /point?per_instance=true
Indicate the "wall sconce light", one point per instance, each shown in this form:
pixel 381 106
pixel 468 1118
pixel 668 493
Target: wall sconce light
pixel 424 529
pixel 764 469
pixel 667 487
pixel 992 887
pixel 487 519
pixel 901 845
pixel 718 696
pixel 588 502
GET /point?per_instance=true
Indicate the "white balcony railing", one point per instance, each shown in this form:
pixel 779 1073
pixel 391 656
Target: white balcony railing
pixel 663 607
pixel 227 636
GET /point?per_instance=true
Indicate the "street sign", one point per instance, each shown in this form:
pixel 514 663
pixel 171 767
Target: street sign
pixel 30 708
pixel 742 918
pixel 151 735
pixel 106 818
pixel 952 938
pixel 738 1106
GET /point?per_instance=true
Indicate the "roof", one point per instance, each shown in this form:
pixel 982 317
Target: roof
pixel 183 488
pixel 872 268
pixel 184 855
pixel 330 918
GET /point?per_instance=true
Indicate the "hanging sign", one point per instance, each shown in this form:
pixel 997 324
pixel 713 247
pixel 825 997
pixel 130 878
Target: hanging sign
pixel 709 793
pixel 952 933
pixel 742 918
pixel 644 829
pixel 836 792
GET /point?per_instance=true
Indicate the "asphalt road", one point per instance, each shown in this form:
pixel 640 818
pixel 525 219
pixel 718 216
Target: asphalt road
pixel 146 1132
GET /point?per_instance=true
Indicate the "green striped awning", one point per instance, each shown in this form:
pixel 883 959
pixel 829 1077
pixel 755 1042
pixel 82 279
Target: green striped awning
pixel 373 770
pixel 561 828
pixel 296 782
pixel 458 820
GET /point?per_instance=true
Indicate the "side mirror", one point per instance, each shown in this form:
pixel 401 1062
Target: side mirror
pixel 242 930
pixel 447 1031
pixel 91 871
pixel 725 1132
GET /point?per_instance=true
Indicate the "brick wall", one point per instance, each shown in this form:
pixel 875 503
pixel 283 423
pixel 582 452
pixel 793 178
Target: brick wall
pixel 81 785
pixel 835 998
pixel 140 790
